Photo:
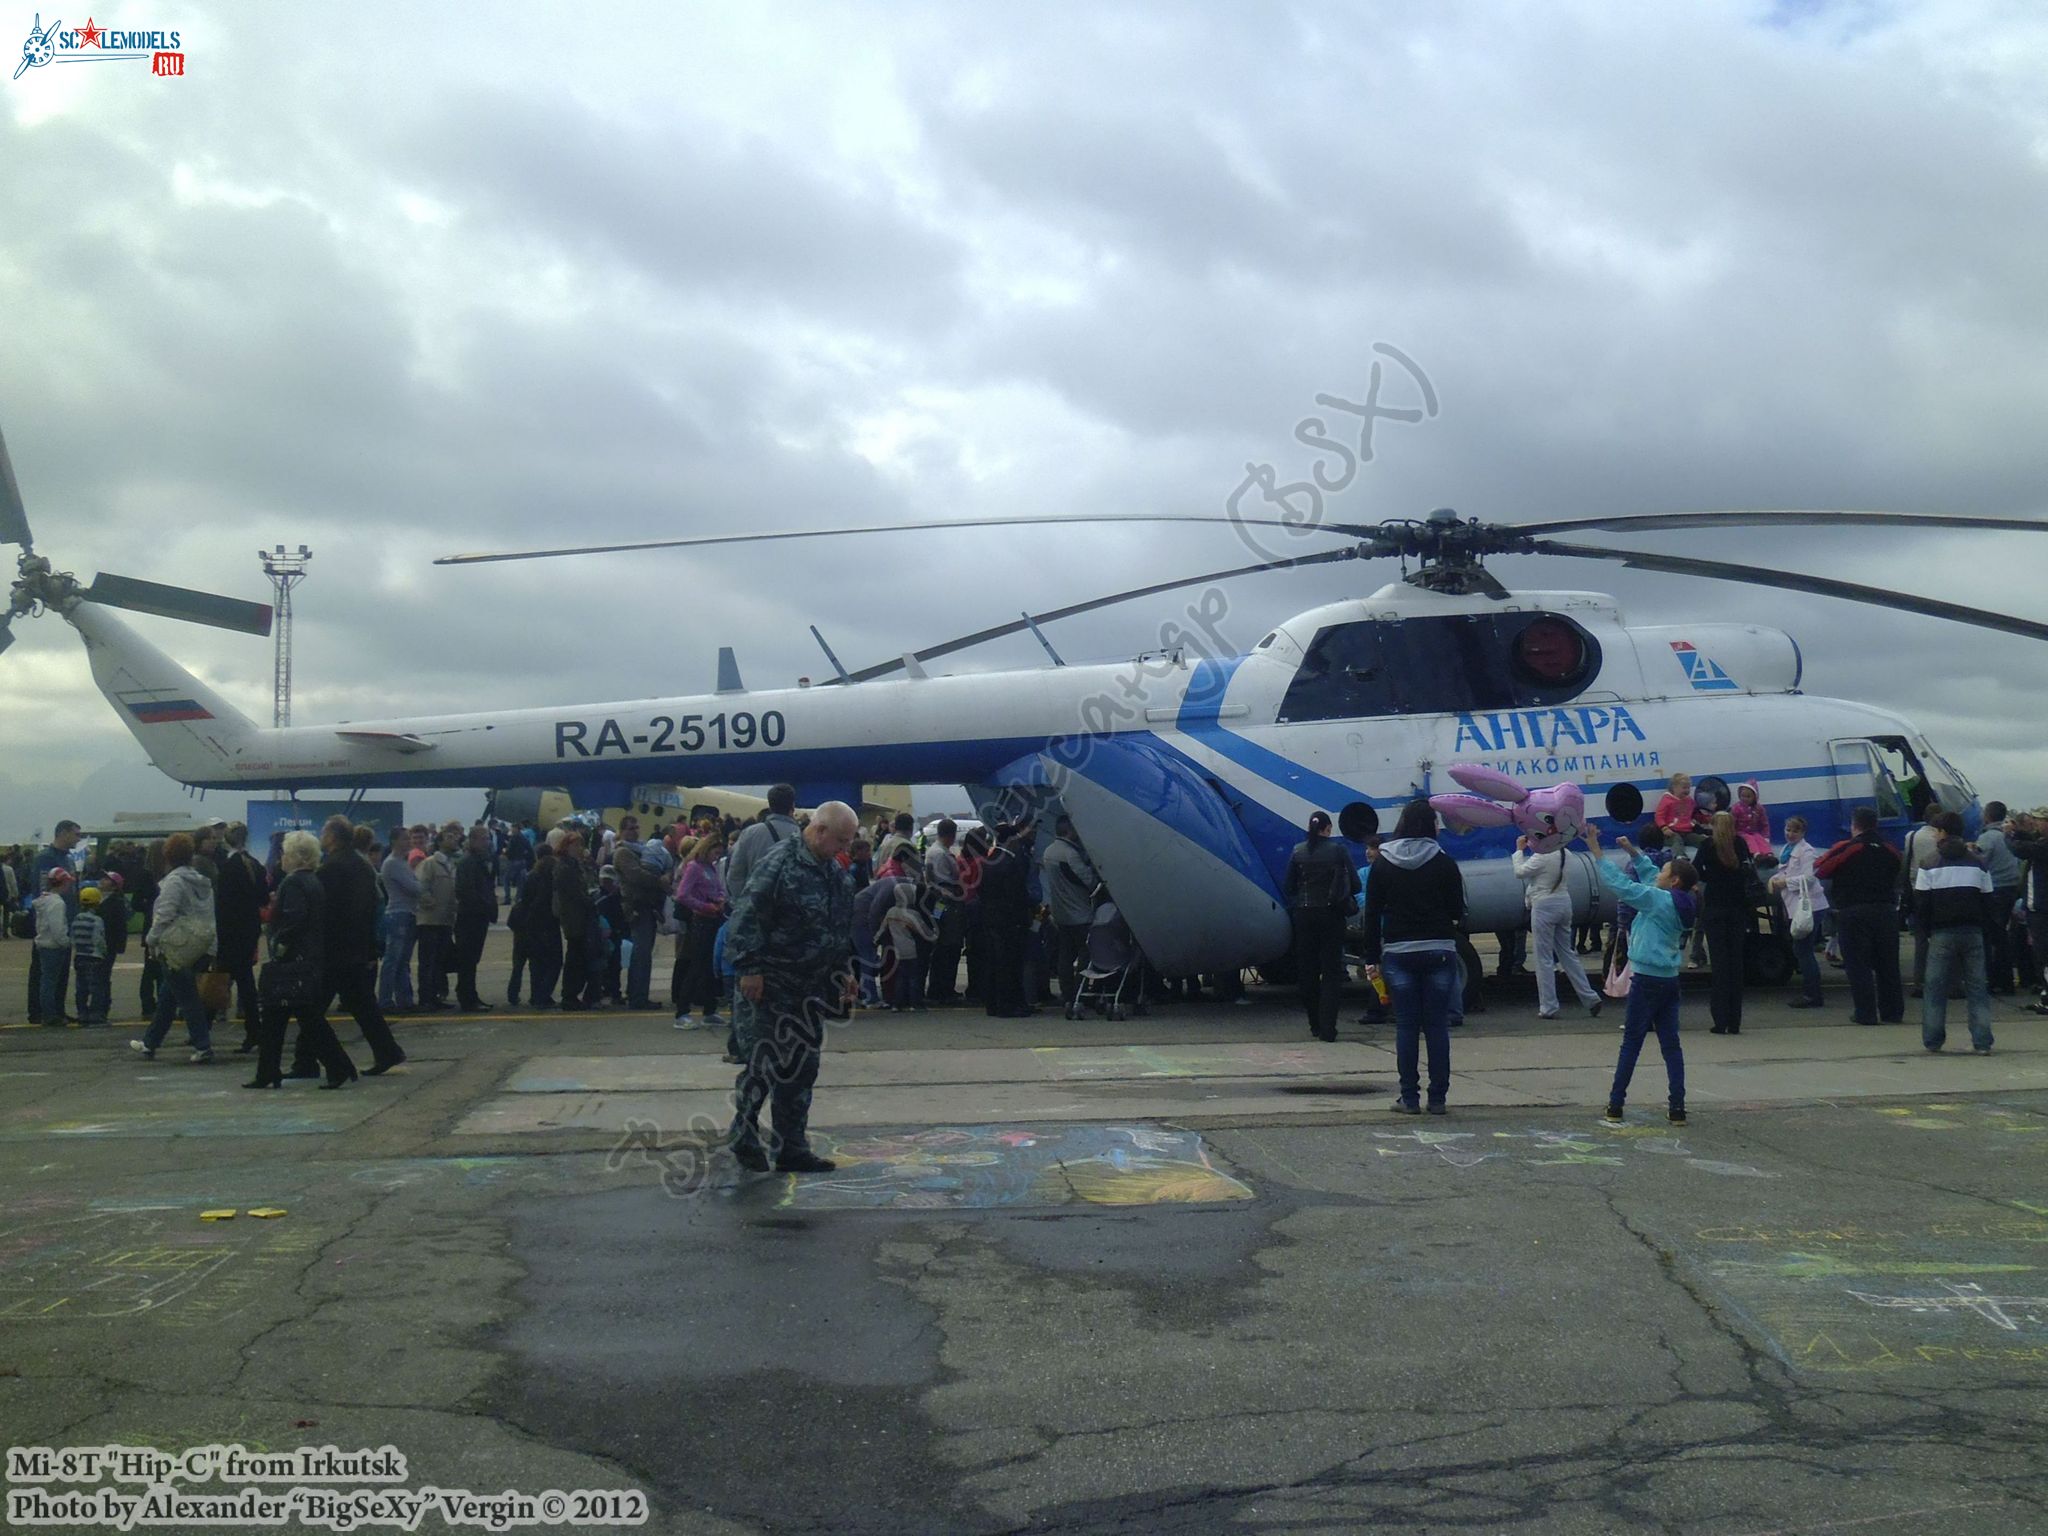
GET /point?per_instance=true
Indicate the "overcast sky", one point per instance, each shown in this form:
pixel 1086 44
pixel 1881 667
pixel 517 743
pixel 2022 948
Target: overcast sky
pixel 398 281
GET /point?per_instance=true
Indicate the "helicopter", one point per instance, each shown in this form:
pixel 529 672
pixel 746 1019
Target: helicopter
pixel 1189 770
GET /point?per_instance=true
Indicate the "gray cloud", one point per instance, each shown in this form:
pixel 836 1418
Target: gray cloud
pixel 908 264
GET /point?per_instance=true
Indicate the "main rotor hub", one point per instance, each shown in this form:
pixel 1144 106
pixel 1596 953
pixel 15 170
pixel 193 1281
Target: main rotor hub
pixel 38 582
pixel 1451 551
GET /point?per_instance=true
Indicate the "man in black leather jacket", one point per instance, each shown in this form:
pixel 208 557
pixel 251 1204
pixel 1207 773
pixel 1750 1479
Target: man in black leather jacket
pixel 1322 884
pixel 349 959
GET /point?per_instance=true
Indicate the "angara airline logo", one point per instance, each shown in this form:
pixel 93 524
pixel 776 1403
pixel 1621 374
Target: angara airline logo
pixel 95 44
pixel 1702 672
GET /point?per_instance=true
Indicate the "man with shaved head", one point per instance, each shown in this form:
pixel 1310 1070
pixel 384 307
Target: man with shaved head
pixel 790 943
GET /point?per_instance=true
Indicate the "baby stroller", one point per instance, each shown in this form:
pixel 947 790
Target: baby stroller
pixel 1111 981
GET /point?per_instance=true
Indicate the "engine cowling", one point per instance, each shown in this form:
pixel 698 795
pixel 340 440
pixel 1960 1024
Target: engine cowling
pixel 1700 660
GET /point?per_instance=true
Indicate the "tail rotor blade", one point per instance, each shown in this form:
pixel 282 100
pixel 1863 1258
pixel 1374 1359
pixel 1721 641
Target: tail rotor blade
pixel 13 515
pixel 179 603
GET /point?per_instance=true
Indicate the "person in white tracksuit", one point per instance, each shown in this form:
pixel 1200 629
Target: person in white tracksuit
pixel 1550 920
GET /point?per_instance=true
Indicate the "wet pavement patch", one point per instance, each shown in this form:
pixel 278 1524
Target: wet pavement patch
pixel 1330 1090
pixel 704 1343
pixel 774 1361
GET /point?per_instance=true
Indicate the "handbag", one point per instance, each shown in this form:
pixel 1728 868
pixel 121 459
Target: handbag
pixel 288 984
pixel 216 989
pixel 1802 915
pixel 186 940
pixel 1618 980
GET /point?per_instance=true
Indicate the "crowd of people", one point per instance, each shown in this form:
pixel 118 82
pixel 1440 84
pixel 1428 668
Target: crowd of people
pixel 222 934
pixel 995 915
pixel 1703 874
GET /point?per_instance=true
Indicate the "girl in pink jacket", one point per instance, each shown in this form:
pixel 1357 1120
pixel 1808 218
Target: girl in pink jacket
pixel 1752 821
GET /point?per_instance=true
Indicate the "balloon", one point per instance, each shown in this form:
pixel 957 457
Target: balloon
pixel 1549 818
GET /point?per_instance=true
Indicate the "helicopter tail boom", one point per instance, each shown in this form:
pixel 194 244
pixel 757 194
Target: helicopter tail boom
pixel 188 730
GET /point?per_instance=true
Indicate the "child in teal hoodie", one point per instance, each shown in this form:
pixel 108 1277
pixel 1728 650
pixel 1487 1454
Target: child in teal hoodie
pixel 1664 909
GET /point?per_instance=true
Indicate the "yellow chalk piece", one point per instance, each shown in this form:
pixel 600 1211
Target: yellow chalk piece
pixel 216 1215
pixel 266 1212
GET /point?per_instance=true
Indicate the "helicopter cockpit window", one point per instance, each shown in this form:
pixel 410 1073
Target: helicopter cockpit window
pixel 1441 665
pixel 1903 766
pixel 1341 676
pixel 1946 780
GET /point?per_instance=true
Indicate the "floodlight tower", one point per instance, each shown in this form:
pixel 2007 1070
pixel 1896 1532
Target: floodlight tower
pixel 285 572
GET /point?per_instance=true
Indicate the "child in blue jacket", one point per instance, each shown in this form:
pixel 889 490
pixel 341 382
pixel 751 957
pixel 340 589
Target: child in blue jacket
pixel 1663 909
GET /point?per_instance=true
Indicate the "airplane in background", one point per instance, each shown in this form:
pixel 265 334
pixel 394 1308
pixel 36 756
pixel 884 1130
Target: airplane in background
pixel 1189 770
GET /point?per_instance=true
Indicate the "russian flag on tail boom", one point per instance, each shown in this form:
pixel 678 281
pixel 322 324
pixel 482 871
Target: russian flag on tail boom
pixel 166 711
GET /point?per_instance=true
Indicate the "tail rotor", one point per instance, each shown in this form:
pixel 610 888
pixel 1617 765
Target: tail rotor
pixel 39 585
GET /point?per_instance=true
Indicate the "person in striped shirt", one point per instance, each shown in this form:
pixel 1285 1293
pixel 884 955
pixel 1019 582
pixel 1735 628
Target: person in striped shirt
pixel 1951 903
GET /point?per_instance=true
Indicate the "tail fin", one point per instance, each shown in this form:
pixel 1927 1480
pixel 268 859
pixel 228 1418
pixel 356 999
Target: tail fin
pixel 187 729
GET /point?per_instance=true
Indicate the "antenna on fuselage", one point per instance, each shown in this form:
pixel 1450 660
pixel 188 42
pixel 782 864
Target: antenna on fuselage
pixel 829 656
pixel 1039 635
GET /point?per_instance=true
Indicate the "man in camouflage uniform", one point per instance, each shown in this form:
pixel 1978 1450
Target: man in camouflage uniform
pixel 790 943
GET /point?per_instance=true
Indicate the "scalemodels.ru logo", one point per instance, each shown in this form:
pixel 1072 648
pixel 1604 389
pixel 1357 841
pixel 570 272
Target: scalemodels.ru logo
pixel 94 44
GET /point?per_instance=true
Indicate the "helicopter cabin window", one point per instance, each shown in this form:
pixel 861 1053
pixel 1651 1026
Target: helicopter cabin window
pixel 1441 665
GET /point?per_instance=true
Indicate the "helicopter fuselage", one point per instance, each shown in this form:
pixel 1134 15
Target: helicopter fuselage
pixel 1189 774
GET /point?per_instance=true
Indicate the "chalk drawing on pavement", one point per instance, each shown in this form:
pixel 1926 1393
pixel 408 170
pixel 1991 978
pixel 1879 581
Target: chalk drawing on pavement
pixel 992 1166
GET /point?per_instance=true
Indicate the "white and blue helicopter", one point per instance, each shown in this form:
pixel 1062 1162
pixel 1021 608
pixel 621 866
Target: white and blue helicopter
pixel 1188 770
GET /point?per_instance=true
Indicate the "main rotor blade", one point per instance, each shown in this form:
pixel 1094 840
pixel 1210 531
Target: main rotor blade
pixel 1018 626
pixel 1654 522
pixel 179 603
pixel 1795 581
pixel 1349 530
pixel 13 515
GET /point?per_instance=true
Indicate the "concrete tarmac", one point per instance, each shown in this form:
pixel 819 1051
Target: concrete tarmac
pixel 1181 1273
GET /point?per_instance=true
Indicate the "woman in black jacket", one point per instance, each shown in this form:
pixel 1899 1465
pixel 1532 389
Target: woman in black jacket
pixel 1725 879
pixel 294 980
pixel 1414 912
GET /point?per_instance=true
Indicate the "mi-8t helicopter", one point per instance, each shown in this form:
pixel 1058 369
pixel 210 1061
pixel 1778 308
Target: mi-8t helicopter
pixel 1189 770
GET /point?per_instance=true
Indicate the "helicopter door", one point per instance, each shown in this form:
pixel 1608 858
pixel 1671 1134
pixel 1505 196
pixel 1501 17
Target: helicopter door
pixel 1863 778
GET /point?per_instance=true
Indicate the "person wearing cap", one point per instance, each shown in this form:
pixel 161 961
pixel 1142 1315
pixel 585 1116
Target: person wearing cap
pixel 114 917
pixel 89 959
pixel 55 857
pixel 53 945
pixel 1321 888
